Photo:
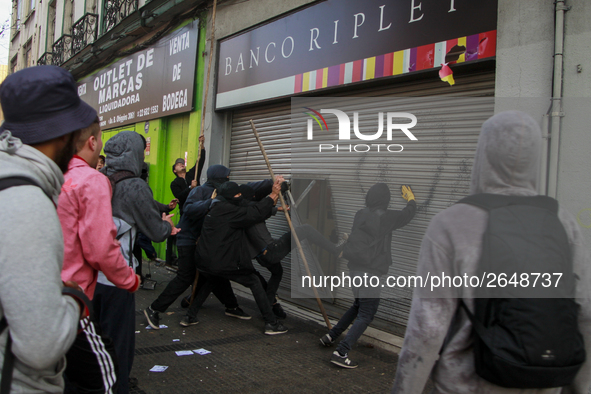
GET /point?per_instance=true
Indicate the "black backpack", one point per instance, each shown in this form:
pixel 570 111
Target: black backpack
pixel 365 243
pixel 521 341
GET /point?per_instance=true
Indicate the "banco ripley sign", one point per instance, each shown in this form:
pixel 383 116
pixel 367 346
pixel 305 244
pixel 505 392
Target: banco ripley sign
pixel 151 83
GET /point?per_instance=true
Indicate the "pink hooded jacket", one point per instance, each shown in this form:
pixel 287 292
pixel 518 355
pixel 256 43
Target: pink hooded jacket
pixel 84 210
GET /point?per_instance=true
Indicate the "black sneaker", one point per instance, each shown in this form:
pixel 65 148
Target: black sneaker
pixel 275 329
pixel 342 361
pixel 237 313
pixel 278 311
pixel 153 318
pixel 326 340
pixel 187 321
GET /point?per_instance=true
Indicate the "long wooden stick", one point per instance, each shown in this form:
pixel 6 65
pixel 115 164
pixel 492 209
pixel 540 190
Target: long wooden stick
pixel 212 39
pixel 294 234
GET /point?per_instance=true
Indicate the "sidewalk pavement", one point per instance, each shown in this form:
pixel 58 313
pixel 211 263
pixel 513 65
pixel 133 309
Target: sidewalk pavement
pixel 242 358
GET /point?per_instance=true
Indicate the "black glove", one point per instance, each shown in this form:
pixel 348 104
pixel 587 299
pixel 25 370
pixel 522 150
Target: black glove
pixel 285 187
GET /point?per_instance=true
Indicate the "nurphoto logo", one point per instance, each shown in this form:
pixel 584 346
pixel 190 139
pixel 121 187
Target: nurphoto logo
pixel 392 125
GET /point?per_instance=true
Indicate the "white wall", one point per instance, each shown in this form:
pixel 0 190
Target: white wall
pixel 524 81
pixel 574 166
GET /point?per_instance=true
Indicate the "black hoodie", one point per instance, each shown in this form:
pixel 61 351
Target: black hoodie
pixel 377 200
pixel 223 246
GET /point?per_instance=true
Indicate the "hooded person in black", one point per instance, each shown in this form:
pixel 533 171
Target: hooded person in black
pixel 269 251
pixel 223 249
pixel 379 222
pixel 196 207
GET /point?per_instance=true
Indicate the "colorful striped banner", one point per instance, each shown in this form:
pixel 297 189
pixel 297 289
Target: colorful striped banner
pixel 425 57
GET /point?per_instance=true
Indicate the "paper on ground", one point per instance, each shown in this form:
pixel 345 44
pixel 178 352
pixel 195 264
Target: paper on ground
pixel 201 351
pixel 150 327
pixel 159 368
pixel 184 353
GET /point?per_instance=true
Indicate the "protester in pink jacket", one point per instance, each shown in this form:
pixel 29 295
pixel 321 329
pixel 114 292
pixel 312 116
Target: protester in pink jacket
pixel 84 210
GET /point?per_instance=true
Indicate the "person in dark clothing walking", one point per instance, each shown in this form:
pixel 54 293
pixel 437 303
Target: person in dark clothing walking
pixel 223 250
pixel 377 217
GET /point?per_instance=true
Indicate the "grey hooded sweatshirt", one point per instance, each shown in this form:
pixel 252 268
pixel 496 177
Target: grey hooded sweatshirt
pixel 133 201
pixel 42 323
pixel 507 163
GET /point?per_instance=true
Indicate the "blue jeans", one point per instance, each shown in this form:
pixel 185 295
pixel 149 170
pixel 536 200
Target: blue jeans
pixel 362 312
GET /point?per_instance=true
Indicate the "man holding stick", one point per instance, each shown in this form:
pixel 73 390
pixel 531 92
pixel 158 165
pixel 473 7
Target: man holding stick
pixel 223 248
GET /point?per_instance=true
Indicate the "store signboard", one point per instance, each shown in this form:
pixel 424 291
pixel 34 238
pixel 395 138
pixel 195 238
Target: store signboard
pixel 154 82
pixel 337 42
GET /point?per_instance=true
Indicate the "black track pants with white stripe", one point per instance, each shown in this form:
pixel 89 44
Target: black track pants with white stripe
pixel 91 363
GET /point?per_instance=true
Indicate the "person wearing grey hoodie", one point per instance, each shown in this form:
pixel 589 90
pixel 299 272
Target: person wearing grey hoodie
pixel 43 113
pixel 438 340
pixel 134 209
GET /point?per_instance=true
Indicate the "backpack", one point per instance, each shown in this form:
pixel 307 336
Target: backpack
pixel 365 243
pixel 520 341
pixel 119 176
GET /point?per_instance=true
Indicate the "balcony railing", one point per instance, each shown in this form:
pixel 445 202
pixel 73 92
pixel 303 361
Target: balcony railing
pixel 116 11
pixel 84 32
pixel 62 50
pixel 46 59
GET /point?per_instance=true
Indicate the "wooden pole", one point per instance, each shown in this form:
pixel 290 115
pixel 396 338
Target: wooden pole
pixel 212 39
pixel 294 234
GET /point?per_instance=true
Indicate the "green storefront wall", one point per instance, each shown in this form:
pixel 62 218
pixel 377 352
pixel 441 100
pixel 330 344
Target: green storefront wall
pixel 170 138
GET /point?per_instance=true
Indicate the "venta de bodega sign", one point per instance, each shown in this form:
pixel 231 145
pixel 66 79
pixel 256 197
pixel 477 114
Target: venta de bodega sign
pixel 154 82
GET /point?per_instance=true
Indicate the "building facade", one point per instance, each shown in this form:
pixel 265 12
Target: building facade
pixel 529 55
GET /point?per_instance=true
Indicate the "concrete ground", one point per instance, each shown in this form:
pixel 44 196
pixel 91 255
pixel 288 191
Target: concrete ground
pixel 242 359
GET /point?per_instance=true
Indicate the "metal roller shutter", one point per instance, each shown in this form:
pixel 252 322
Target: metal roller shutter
pixel 438 170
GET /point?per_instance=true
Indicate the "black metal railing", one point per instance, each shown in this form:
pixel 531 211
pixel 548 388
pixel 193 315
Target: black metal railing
pixel 46 59
pixel 62 50
pixel 84 32
pixel 116 11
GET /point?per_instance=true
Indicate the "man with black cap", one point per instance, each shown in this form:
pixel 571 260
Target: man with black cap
pixel 185 180
pixel 223 251
pixel 181 186
pixel 37 140
pixel 377 222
